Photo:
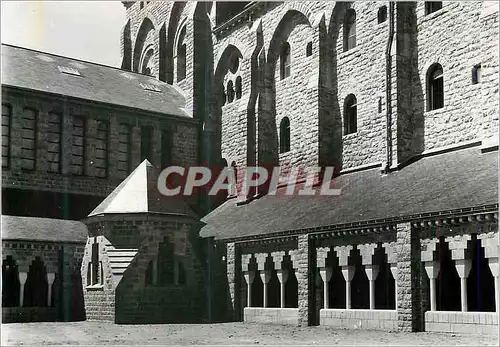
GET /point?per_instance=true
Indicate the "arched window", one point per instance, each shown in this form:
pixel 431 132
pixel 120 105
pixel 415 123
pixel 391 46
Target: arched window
pixel 147 62
pixel 238 87
pixel 233 190
pixel 382 14
pixel 166 262
pixel 181 56
pixel 285 135
pixel 350 30
pixel 148 279
pixel 309 49
pixel 350 115
pixel 433 6
pixel 285 60
pixel 230 92
pixel 435 87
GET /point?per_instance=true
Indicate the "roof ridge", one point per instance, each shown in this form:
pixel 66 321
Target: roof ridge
pixel 80 60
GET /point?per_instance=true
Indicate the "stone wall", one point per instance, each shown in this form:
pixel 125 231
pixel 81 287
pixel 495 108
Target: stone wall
pixel 462 322
pixel 458 36
pixel 127 246
pixel 360 319
pixel 184 148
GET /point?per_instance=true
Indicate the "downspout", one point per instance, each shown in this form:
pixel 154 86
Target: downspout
pixel 388 96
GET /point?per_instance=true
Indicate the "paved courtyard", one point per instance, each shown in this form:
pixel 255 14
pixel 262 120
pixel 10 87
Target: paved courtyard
pixel 96 333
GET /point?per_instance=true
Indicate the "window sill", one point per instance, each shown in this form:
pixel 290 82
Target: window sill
pixel 350 52
pixel 428 17
pixel 95 288
pixel 350 136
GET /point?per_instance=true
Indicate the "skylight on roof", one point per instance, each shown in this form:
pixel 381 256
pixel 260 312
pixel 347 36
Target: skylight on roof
pixel 150 87
pixel 69 70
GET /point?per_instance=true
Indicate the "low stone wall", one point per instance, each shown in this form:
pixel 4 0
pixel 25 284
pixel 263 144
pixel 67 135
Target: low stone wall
pixel 288 316
pixel 28 314
pixel 360 319
pixel 462 322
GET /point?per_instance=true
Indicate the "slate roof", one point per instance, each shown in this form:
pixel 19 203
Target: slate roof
pixel 43 229
pixel 34 70
pixel 138 193
pixel 460 179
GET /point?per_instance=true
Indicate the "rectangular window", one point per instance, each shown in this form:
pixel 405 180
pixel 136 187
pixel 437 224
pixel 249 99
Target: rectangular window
pixel 28 139
pixel 101 144
pixel 147 143
pixel 78 146
pixel 54 132
pixel 166 148
pixel 124 150
pixel 6 119
pixel 433 6
pixel 476 74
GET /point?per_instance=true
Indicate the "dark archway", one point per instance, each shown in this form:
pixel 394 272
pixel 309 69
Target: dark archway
pixel 480 283
pixel 360 294
pixel 448 281
pixel 10 283
pixel 385 297
pixel 336 286
pixel 36 286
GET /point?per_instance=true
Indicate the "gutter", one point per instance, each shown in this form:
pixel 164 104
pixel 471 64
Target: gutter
pixel 388 96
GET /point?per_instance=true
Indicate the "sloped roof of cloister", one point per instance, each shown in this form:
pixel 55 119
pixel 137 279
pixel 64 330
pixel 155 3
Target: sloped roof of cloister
pixel 460 179
pixel 44 72
pixel 43 229
pixel 139 193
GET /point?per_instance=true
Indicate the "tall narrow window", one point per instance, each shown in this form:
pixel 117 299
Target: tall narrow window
pixel 147 143
pixel 95 273
pixel 166 262
pixel 350 30
pixel 28 147
pixel 382 14
pixel 124 150
pixel 101 154
pixel 181 56
pixel 238 87
pixel 433 6
pixel 476 74
pixel 309 49
pixel 166 148
pixel 78 146
pixel 285 60
pixel 435 87
pixel 350 115
pixel 6 119
pixel 54 133
pixel 285 135
pixel 230 92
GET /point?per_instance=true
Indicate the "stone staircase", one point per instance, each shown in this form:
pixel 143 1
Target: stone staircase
pixel 119 260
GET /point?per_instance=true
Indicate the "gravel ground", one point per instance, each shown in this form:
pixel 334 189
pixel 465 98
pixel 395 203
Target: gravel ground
pixel 97 333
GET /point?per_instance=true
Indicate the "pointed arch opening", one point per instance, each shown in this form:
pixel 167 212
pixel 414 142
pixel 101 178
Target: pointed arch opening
pixel 349 30
pixel 285 135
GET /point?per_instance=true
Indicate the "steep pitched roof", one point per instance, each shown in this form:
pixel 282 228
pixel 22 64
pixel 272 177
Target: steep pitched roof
pixel 460 179
pixel 138 193
pixel 43 229
pixel 39 71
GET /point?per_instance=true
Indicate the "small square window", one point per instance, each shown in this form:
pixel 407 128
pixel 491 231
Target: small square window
pixel 433 6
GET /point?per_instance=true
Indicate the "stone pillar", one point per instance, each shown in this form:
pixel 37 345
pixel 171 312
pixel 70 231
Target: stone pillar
pixel 300 258
pixel 326 275
pixel 264 274
pixel 231 275
pixel 392 259
pixel 459 253
pixel 50 279
pixel 249 277
pixel 282 277
pixel 343 253
pixel 23 276
pixel 429 258
pixel 324 271
pixel 367 252
pixel 489 241
pixel 410 317
pixel 282 274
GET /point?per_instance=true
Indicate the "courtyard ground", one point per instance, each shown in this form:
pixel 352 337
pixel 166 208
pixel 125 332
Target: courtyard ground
pixel 97 333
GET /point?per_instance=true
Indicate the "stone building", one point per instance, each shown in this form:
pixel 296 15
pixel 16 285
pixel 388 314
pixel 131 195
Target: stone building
pixel 401 98
pixel 71 132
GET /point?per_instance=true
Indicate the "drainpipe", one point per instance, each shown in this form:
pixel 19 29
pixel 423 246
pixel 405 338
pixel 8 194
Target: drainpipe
pixel 388 96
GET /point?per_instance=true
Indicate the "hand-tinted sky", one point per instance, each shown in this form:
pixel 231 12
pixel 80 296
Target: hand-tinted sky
pixel 87 30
